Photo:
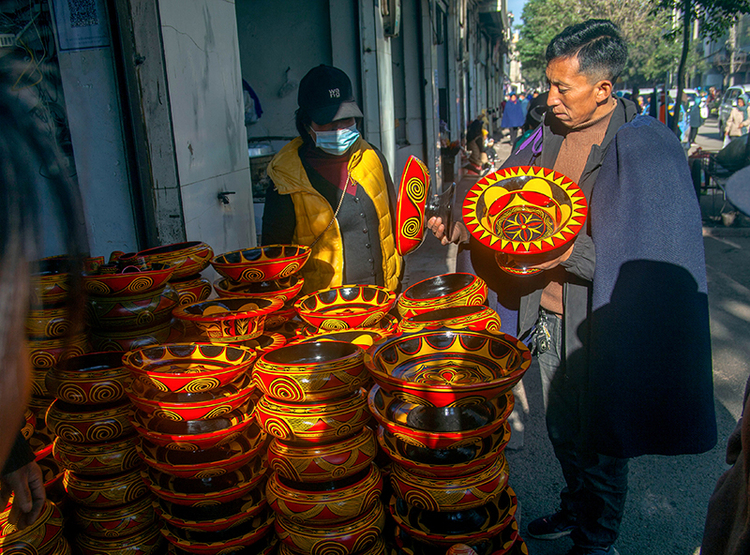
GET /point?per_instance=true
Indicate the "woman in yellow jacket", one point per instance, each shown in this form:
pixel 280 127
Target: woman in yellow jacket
pixel 332 190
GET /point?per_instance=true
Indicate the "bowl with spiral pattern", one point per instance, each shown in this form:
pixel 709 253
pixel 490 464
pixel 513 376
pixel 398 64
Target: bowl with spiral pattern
pixel 89 379
pixel 89 423
pixel 107 457
pixel 188 258
pixel 442 291
pixel 38 537
pixel 473 318
pixel 265 263
pixel 131 280
pixel 134 312
pixel 345 307
pixel 116 522
pixel 230 319
pixel 108 490
pixel 285 289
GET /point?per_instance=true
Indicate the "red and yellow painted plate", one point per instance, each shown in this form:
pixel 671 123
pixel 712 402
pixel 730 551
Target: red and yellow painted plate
pixel 412 197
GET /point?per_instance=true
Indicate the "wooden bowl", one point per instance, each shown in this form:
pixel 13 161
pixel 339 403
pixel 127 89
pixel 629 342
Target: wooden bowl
pixel 456 289
pixel 89 423
pixel 192 290
pixel 148 541
pixel 132 280
pixel 348 306
pixel 105 491
pixel 461 318
pixel 115 522
pixel 251 533
pixel 188 258
pixel 39 537
pixel 51 352
pixel 89 379
pixel 229 319
pixel 134 312
pixel 97 459
pixel 285 289
pixel 265 263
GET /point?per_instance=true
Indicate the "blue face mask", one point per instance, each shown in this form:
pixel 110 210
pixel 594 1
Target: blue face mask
pixel 338 141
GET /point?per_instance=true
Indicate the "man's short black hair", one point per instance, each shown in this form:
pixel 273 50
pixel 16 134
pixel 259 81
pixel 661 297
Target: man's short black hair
pixel 598 45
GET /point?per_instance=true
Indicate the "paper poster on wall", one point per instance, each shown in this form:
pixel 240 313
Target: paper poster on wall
pixel 81 24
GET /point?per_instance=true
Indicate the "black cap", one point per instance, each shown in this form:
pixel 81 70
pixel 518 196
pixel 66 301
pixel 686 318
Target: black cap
pixel 325 93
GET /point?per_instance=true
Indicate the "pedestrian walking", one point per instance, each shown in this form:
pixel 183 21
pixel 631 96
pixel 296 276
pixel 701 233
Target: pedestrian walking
pixel 513 117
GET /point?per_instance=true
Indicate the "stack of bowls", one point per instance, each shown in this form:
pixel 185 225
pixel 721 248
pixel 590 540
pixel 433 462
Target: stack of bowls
pixel 129 303
pixel 443 291
pixel 324 485
pixel 43 537
pixel 442 399
pixel 270 271
pixel 194 412
pixel 96 445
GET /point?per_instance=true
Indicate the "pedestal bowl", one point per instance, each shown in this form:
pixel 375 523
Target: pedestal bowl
pixel 348 306
pixel 188 367
pixel 38 537
pixel 199 405
pixel 229 319
pixel 285 289
pixel 50 352
pixel 134 312
pixel 104 491
pixel 478 318
pixel 148 541
pixel 311 371
pixel 448 462
pixel 266 263
pixel 305 462
pixel 89 423
pixel 325 502
pixel 89 379
pixel 456 289
pixel 188 258
pixel 315 422
pixel 234 539
pixel 191 290
pixel 449 368
pixel 118 521
pixel 98 459
pixel 439 427
pixel 130 280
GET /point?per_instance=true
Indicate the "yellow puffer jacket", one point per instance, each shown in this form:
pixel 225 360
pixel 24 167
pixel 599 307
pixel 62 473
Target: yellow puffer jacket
pixel 313 212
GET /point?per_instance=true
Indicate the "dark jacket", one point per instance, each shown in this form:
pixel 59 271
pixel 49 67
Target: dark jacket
pixel 514 114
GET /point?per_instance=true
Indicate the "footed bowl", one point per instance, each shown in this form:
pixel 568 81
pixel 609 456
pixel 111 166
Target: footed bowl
pixel 265 263
pixel 348 306
pixel 455 289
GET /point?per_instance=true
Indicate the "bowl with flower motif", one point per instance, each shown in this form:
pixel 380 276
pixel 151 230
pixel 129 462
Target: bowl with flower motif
pixel 188 367
pixel 191 290
pixel 187 259
pixel 133 339
pixel 451 493
pixel 207 491
pixel 311 371
pixel 325 502
pixel 306 462
pixel 38 537
pixel 229 319
pixel 134 312
pixel 108 457
pixel 254 533
pixel 109 490
pixel 353 536
pixel 116 522
pixel 445 290
pixel 448 462
pixel 266 263
pixel 89 423
pixel 131 280
pixel 204 463
pixel 448 368
pixel 285 289
pixel 89 379
pixel 148 541
pixel 444 529
pixel 439 427
pixel 213 518
pixel 50 352
pixel 348 306
pixel 49 323
pixel 472 318
pixel 50 281
pixel 315 422
pixel 192 435
pixel 198 405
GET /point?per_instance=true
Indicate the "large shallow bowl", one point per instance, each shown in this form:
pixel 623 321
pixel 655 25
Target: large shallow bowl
pixel 132 280
pixel 229 319
pixel 135 312
pixel 305 462
pixel 200 405
pixel 110 457
pixel 39 537
pixel 248 534
pixel 462 318
pixel 325 502
pixel 116 522
pixel 266 263
pixel 449 368
pixel 105 491
pixel 316 422
pixel 439 427
pixel 89 423
pixel 89 379
pixel 311 371
pixel 348 306
pixel 285 289
pixel 443 291
pixel 213 518
pixel 188 367
pixel 188 258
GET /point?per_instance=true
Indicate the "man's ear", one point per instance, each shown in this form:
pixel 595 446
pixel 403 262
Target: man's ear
pixel 603 90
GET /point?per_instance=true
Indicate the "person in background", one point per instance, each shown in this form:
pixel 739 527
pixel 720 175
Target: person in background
pixel 476 144
pixel 332 191
pixel 696 119
pixel 737 122
pixel 513 117
pixel 523 100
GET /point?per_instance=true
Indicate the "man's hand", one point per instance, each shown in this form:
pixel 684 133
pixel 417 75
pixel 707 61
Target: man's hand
pixel 459 234
pixel 27 485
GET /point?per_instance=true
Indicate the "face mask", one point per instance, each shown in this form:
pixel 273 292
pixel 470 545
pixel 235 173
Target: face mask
pixel 338 141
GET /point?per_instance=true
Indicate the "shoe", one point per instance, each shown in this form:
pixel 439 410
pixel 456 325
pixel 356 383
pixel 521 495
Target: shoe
pixel 576 550
pixel 551 527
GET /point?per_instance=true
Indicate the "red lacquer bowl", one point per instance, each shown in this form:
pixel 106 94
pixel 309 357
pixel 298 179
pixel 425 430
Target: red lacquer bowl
pixel 130 281
pixel 148 541
pixel 266 342
pixel 311 371
pixel 105 491
pixel 285 315
pixel 254 532
pixel 188 367
pixel 304 462
pixel 362 337
pixel 410 213
pixel 131 340
pixel 51 352
pixel 205 492
pixel 348 306
pixel 316 422
pixel 48 323
pixel 353 536
pixel 285 289
pixel 116 522
pixel 439 427
pixel 456 289
pixel 192 435
pixel 135 312
pixel 89 423
pixel 205 463
pixel 461 318
pixel 506 542
pixel 188 258
pixel 201 405
pixel 378 548
pixel 89 379
pixel 325 502
pixel 192 290
pixel 110 457
pixel 229 319
pixel 50 283
pixel 39 537
pixel 444 368
pixel 266 263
